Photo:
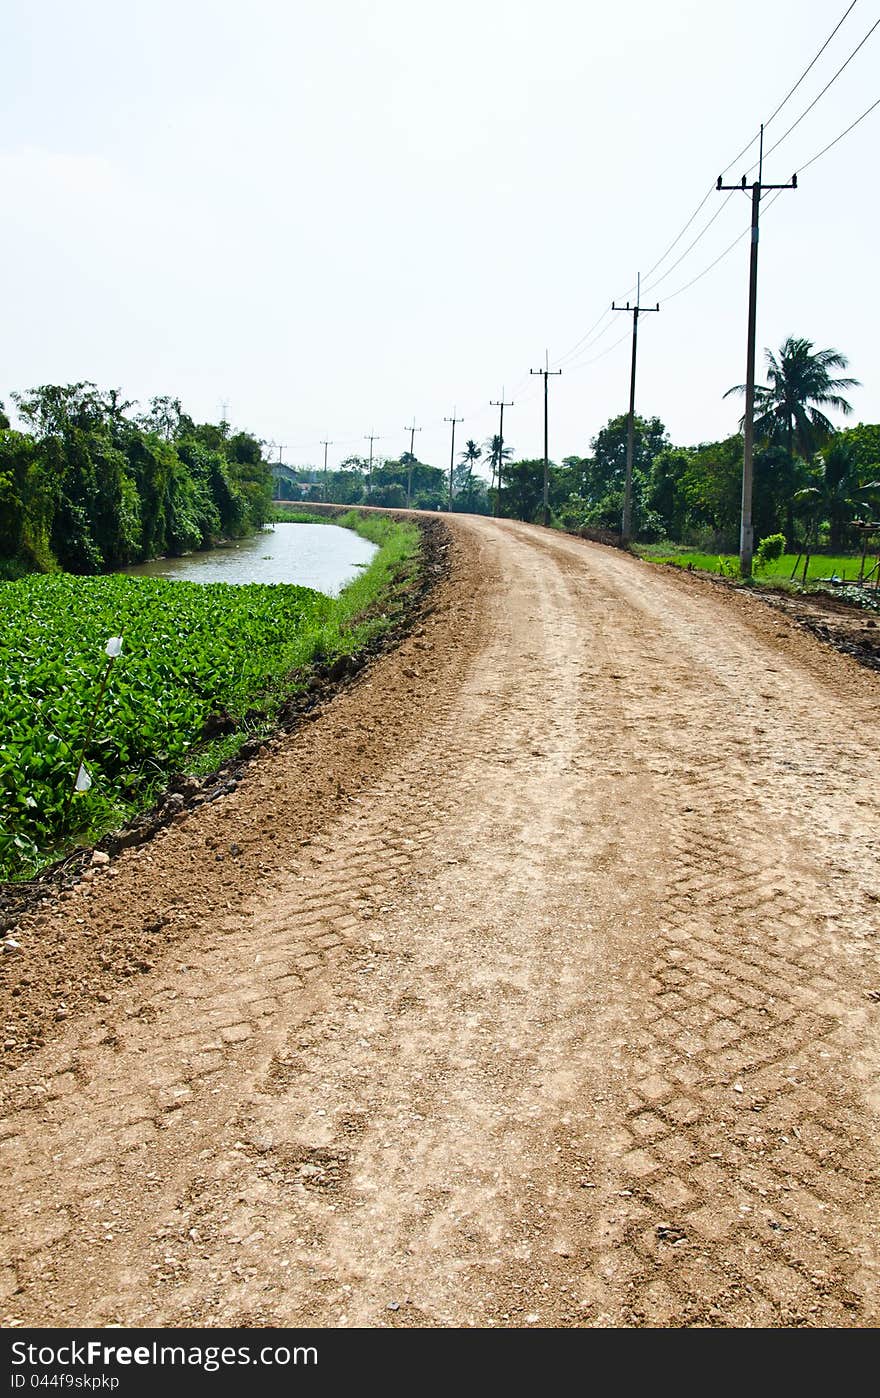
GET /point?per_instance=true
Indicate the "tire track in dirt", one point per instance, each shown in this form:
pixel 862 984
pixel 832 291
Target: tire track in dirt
pixel 753 1171
pixel 559 1020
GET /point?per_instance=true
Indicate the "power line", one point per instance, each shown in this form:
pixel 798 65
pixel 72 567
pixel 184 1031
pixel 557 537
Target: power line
pixel 806 70
pixel 850 128
pixel 582 343
pixel 585 363
pixel 820 95
pixel 691 247
pixel 770 202
pixel 751 141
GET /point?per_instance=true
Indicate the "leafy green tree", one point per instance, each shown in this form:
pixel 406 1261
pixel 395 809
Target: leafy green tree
pixel 391 495
pixel 345 486
pixel 608 471
pixel 864 443
pixel 665 494
pixel 712 487
pixel 524 483
pixel 54 409
pixel 27 503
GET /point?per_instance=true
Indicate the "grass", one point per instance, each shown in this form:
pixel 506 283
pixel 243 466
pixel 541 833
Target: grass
pixel 196 658
pixel 780 570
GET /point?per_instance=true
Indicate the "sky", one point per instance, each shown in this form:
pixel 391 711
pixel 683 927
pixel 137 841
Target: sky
pixel 343 218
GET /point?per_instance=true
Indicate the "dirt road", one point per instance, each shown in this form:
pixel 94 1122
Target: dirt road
pixel 528 985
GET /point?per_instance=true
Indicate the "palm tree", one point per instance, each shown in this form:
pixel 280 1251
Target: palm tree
pixel 788 410
pixel 497 455
pixel 470 454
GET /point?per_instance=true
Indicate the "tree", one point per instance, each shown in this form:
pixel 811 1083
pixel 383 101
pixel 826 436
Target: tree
pixel 788 410
pixel 497 455
pixel 609 452
pixel 469 456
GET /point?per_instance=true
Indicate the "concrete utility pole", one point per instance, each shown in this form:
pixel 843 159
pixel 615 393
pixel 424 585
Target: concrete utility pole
pixel 325 445
pixel 453 420
pixel 412 437
pixel 747 533
pixel 548 373
pixel 371 437
pixel 626 529
pixel 499 403
pixel 280 447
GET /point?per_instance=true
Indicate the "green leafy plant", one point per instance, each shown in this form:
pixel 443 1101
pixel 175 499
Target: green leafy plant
pixel 770 550
pixel 199 660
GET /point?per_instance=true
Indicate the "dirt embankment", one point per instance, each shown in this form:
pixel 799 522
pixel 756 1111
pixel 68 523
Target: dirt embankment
pixel 534 982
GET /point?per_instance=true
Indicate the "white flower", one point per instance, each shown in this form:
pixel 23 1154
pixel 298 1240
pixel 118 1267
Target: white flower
pixel 113 647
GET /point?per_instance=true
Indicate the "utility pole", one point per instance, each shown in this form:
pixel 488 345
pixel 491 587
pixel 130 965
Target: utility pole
pixel 548 373
pixel 371 437
pixel 412 437
pixel 325 445
pixel 280 446
pixel 453 420
pixel 626 529
pixel 746 533
pixel 499 403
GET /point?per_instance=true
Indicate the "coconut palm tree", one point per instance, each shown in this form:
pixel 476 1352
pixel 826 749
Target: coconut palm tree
pixel 470 454
pixel 788 409
pixel 497 454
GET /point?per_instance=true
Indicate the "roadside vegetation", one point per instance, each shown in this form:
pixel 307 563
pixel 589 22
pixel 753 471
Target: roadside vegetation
pixel 788 567
pixel 813 484
pixel 92 485
pixel 203 669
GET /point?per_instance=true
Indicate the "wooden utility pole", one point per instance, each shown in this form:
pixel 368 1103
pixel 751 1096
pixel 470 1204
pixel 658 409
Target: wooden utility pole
pixel 499 403
pixel 325 445
pixel 548 373
pixel 626 527
pixel 412 438
pixel 746 532
pixel 453 420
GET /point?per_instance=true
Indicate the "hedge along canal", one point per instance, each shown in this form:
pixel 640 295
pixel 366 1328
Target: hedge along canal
pixel 207 670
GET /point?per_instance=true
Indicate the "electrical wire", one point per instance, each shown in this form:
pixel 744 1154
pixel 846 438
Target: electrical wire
pixel 585 341
pixel 808 68
pixel 851 127
pixel 820 95
pixel 721 207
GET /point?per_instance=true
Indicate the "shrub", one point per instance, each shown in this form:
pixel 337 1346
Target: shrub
pixel 771 548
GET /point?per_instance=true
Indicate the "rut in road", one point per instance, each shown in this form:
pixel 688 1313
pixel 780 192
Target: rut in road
pixel 560 1020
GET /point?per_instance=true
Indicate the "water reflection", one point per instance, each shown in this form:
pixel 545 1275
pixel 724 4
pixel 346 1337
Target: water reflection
pixel 322 556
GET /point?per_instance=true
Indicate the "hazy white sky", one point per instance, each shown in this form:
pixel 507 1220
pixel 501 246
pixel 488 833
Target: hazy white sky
pixel 338 216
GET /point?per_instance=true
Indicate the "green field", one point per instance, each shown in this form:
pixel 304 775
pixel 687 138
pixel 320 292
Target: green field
pixel 780 570
pixel 192 653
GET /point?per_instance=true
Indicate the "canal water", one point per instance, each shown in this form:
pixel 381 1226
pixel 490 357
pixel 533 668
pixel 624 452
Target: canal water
pixel 322 556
